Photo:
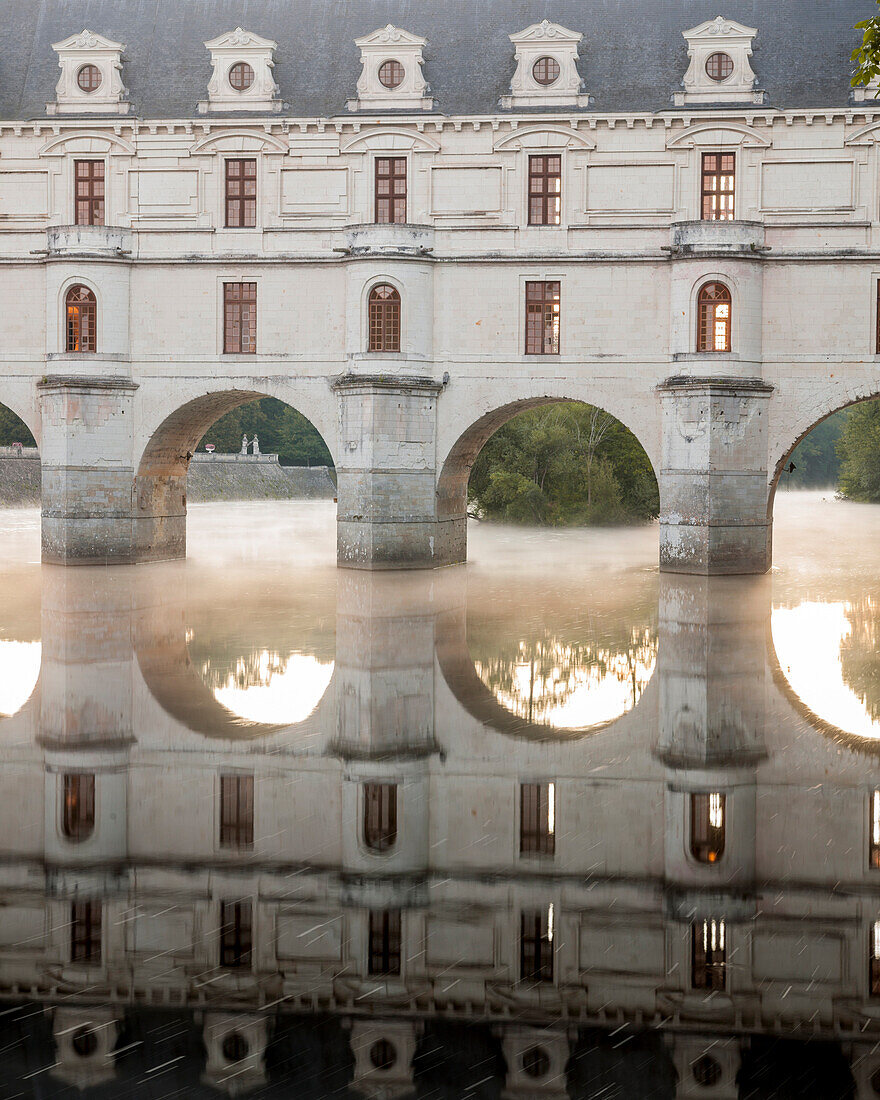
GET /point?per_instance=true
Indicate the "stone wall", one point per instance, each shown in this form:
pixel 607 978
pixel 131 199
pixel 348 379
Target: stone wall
pixel 211 477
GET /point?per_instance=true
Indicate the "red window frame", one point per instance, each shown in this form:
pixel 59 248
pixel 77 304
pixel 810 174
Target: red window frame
pixel 236 934
pixel 241 193
pixel 390 182
pixel 78 807
pixel 85 931
pixel 709 955
pixel 536 838
pixel 81 309
pixel 718 187
pixel 88 192
pixel 384 318
pixel 384 942
pixel 236 811
pixel 545 189
pixel 542 318
pixel 713 325
pixel 536 956
pixel 240 318
pixel 380 816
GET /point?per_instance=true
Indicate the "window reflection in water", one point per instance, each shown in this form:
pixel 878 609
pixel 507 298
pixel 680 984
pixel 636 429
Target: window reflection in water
pixel 570 685
pixel 19 672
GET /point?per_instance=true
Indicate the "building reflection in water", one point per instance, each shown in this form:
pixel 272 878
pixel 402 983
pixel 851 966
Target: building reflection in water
pixel 410 885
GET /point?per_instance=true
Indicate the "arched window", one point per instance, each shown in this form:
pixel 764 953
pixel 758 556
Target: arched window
pixel 78 814
pixel 708 826
pixel 380 816
pixel 384 318
pixel 82 319
pixel 713 318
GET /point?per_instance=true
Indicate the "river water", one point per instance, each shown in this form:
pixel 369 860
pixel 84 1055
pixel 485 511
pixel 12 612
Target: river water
pixel 550 824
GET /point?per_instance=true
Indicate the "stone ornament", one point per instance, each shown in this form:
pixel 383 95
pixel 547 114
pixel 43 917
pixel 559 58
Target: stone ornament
pixel 232 53
pixel 410 90
pixel 91 77
pixel 546 68
pixel 719 70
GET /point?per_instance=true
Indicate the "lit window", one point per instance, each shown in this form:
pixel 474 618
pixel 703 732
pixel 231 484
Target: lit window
pixel 713 318
pixel 236 811
pixel 240 318
pixel 82 319
pixel 380 816
pixel 384 948
pixel 542 318
pixel 384 308
pixel 89 78
pixel 874 975
pixel 391 74
pixel 708 955
pixel 537 820
pixel 546 71
pixel 545 190
pixel 391 190
pixel 78 817
pixel 719 66
pixel 874 858
pixel 241 76
pixel 85 932
pixel 88 186
pixel 719 186
pixel 236 934
pixel 536 945
pixel 708 826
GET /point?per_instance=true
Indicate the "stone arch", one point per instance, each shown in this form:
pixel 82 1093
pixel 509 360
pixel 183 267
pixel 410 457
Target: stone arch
pixel 164 449
pixel 455 464
pixel 21 399
pixel 782 449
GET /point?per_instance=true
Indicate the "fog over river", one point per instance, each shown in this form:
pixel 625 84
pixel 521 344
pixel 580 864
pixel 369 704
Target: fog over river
pixel 550 824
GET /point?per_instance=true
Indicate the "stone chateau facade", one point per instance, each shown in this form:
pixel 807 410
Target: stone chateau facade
pixel 420 260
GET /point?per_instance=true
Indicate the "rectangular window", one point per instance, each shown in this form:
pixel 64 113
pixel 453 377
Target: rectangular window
pixel 708 826
pixel 241 193
pixel 78 818
pixel 236 933
pixel 874 825
pixel 545 190
pixel 537 819
pixel 391 190
pixel 708 955
pixel 536 945
pixel 874 971
pixel 236 811
pixel 88 182
pixel 384 941
pixel 542 318
pixel 877 321
pixel 380 816
pixel 85 932
pixel 719 184
pixel 240 318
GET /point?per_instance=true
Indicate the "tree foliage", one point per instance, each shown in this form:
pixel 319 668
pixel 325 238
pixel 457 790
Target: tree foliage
pixel 866 56
pixel 816 457
pixel 564 464
pixel 13 429
pixel 281 430
pixel 859 450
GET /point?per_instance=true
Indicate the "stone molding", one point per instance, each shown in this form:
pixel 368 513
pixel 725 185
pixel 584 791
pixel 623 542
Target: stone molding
pixel 88 48
pixel 719 35
pixel 391 43
pixel 227 51
pixel 546 39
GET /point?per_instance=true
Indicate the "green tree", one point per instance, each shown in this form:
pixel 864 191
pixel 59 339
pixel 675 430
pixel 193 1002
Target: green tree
pixel 866 56
pixel 816 457
pixel 281 429
pixel 563 464
pixel 13 429
pixel 859 450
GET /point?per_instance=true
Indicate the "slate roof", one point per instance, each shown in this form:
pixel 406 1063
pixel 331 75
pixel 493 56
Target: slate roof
pixel 632 56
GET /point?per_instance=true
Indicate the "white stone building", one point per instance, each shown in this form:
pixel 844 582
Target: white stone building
pixel 672 214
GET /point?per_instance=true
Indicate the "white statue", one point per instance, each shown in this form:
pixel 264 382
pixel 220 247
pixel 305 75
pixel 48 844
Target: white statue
pixel 244 445
pixel 256 443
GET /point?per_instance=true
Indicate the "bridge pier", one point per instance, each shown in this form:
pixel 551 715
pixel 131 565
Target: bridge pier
pixel 87 472
pixel 713 476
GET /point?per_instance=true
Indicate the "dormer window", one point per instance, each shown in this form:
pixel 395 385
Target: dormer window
pixel 241 76
pixel 391 74
pixel 89 78
pixel 719 66
pixel 546 71
pixel 719 70
pixel 546 68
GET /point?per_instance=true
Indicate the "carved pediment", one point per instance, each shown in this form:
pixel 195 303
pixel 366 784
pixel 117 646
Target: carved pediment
pixel 721 28
pixel 88 40
pixel 391 36
pixel 546 68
